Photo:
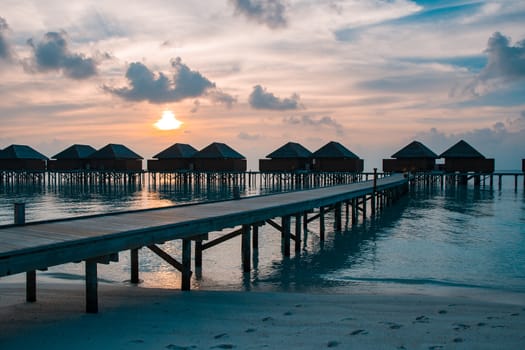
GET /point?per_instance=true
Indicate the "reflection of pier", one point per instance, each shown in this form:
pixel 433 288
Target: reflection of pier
pixel 99 238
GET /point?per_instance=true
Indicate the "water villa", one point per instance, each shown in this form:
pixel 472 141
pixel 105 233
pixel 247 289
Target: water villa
pixel 463 158
pixel 177 157
pixel 22 158
pixel 290 157
pixel 115 157
pixel 75 157
pixel 219 157
pixel 334 157
pixel 414 157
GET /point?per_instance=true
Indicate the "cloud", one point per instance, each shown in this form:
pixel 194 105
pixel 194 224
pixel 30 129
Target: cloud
pixel 5 49
pixel 308 120
pixel 261 99
pixel 268 12
pixel 146 85
pixel 505 64
pixel 246 136
pixel 52 54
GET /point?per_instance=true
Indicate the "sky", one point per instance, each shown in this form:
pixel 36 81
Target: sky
pixel 373 75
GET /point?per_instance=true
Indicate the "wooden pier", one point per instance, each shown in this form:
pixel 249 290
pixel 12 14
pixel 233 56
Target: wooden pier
pixel 26 248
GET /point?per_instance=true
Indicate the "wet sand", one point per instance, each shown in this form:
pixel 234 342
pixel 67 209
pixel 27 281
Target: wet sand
pixel 140 318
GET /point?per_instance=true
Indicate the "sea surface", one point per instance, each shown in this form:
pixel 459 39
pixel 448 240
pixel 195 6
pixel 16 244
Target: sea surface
pixel 451 236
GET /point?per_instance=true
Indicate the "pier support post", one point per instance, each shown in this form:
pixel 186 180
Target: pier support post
pixel 321 223
pixel 373 196
pixel 134 260
pixel 338 213
pixel 20 219
pixel 297 233
pixel 91 286
pixel 245 248
pixel 186 265
pixel 286 235
pixel 354 210
pixel 198 254
pixel 255 237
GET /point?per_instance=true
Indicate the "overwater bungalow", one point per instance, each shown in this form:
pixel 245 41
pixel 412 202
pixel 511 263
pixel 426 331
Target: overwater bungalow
pixel 115 157
pixel 337 158
pixel 22 157
pixel 463 158
pixel 219 157
pixel 178 156
pixel 75 157
pixel 413 157
pixel 288 158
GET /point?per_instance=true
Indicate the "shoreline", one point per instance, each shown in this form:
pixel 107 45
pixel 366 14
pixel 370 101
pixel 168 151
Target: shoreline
pixel 133 317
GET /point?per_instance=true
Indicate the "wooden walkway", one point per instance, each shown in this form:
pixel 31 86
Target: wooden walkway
pixel 99 238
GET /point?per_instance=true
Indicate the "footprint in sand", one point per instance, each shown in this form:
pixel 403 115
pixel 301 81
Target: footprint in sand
pixel 442 312
pixel 460 326
pixel 137 341
pixel 288 313
pixel 359 331
pixel 332 344
pixel 250 330
pixel 178 347
pixel 219 336
pixel 458 340
pixel 435 347
pixel 422 319
pixel 266 319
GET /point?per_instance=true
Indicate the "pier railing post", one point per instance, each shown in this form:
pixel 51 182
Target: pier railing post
pixel 20 219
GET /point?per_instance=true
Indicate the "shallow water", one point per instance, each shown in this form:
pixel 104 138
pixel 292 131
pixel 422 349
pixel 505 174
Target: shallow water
pixel 456 236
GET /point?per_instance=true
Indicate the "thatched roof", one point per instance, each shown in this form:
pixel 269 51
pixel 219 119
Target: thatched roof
pixel 415 149
pixel 217 150
pixel 178 150
pixel 461 150
pixel 21 152
pixel 334 150
pixel 115 151
pixel 290 150
pixel 75 152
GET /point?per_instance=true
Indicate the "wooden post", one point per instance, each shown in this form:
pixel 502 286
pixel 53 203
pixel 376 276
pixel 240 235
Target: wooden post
pixel 91 286
pixel 305 222
pixel 338 214
pixel 186 265
pixel 297 233
pixel 373 197
pixel 20 219
pixel 354 210
pixel 198 254
pixel 286 235
pixel 255 237
pixel 321 223
pixel 245 248
pixel 134 259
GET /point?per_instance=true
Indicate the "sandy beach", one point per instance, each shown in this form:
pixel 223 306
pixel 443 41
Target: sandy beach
pixel 141 318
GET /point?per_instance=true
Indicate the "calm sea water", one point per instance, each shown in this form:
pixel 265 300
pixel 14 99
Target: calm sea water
pixel 453 236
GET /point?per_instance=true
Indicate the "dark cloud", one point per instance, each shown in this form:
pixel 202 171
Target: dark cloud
pixel 145 85
pixel 505 63
pixel 308 120
pixel 52 54
pixel 5 49
pixel 262 99
pixel 267 12
pixel 221 97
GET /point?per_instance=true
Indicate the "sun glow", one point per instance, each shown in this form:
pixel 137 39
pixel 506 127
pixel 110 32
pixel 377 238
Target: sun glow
pixel 168 121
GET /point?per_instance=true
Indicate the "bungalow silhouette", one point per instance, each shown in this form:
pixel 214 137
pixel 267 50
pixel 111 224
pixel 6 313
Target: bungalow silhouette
pixel 178 156
pixel 219 157
pixel 463 158
pixel 75 157
pixel 290 157
pixel 337 158
pixel 115 157
pixel 22 157
pixel 413 157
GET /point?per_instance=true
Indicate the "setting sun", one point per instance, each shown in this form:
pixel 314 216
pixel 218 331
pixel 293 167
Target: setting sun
pixel 168 121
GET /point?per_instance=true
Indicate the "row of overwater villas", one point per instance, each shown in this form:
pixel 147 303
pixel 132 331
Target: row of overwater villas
pixel 291 157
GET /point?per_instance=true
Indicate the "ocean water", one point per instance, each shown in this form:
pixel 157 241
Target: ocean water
pixel 456 236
